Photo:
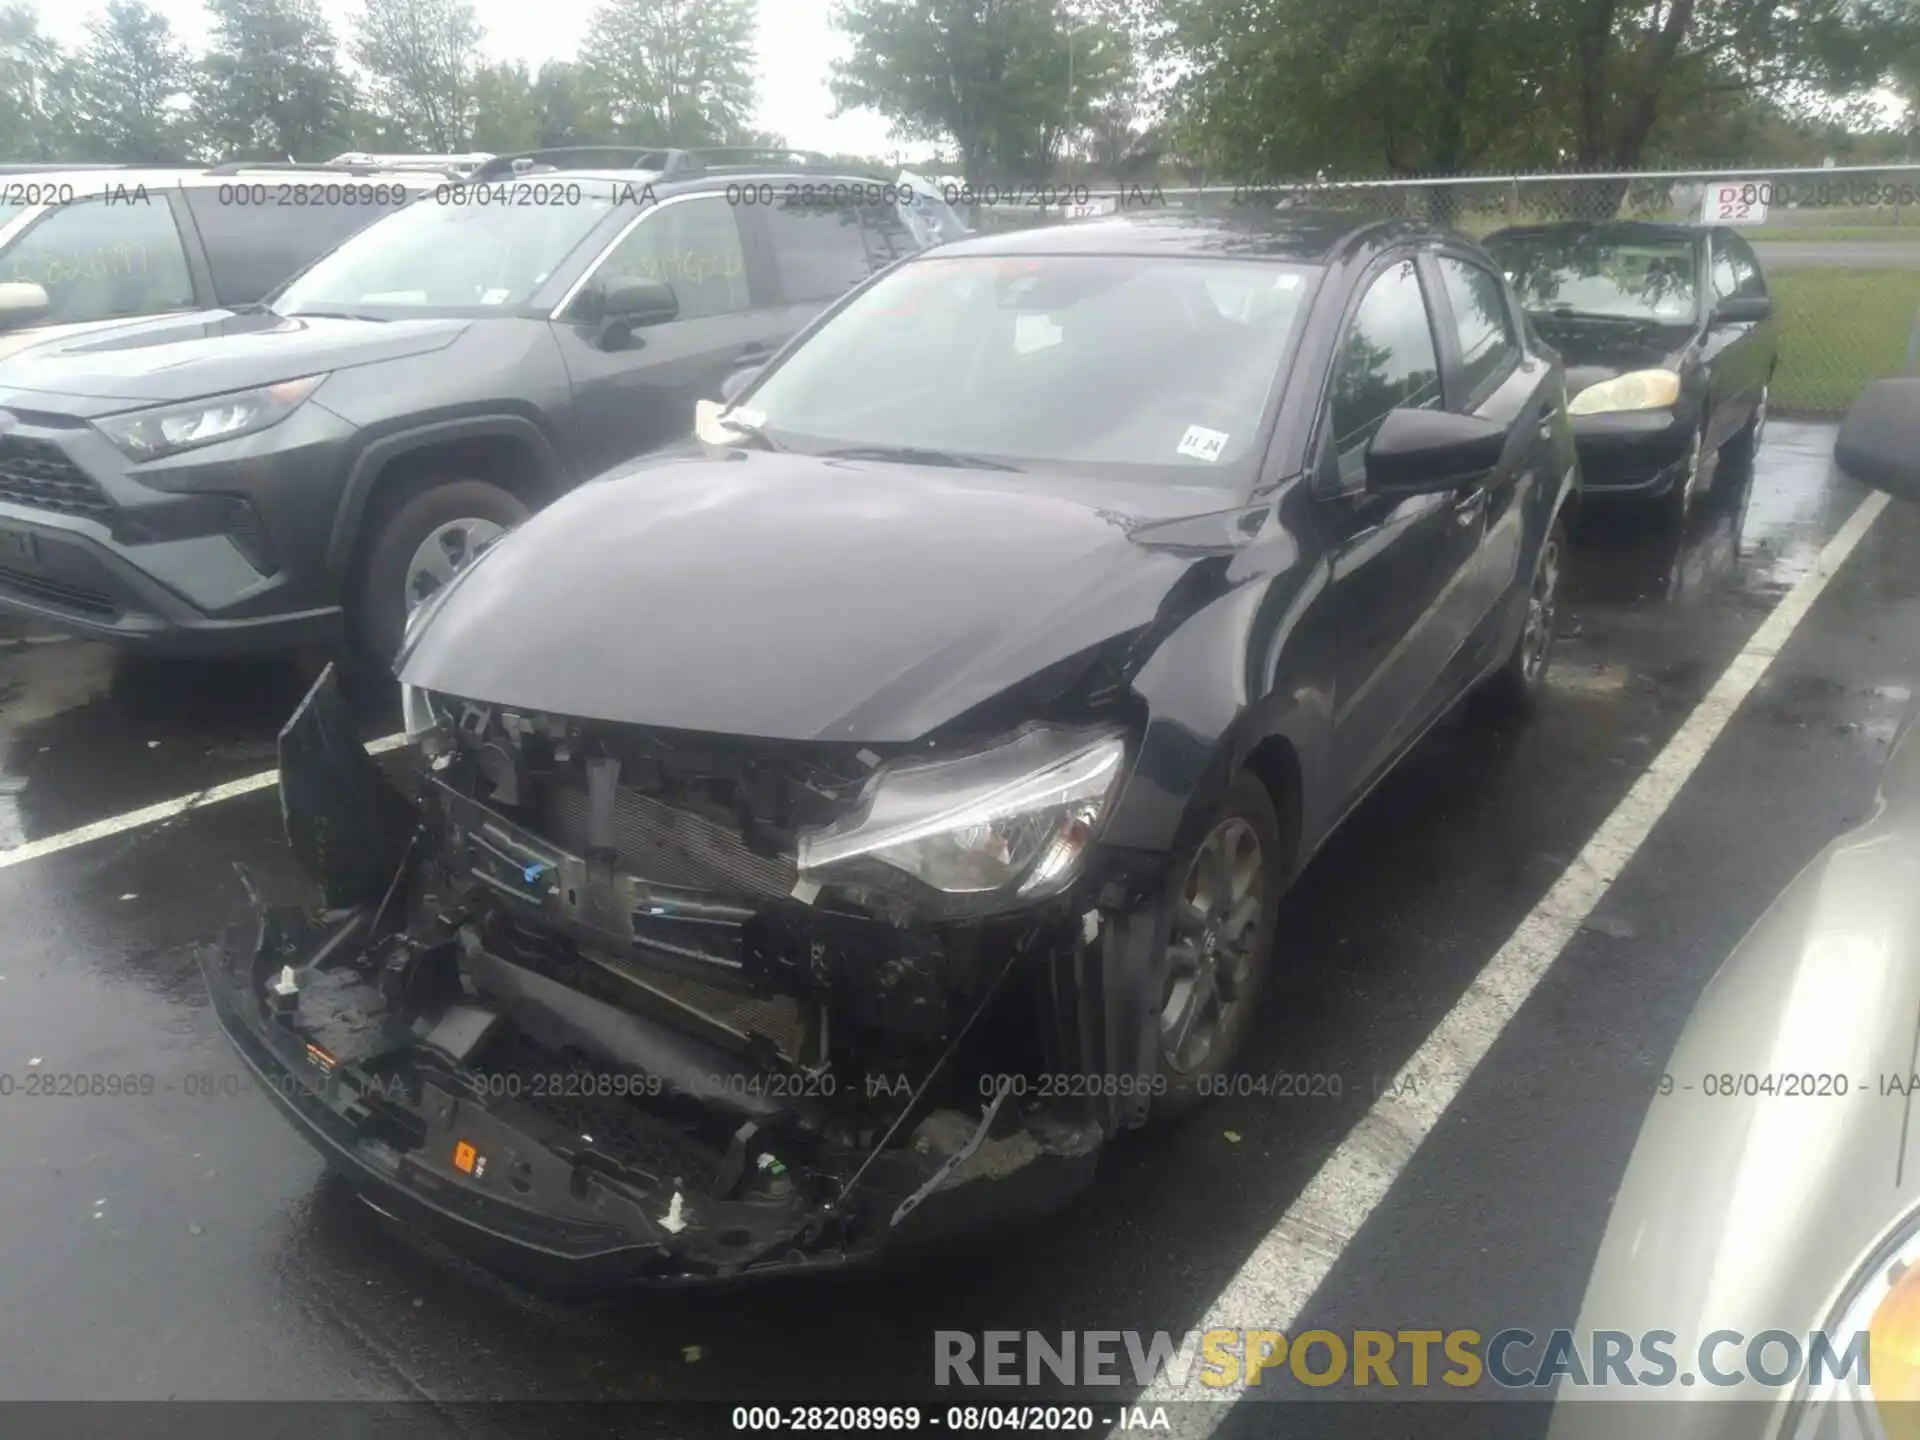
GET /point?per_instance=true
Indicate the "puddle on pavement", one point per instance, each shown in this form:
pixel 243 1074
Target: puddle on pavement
pixel 37 684
pixel 1755 533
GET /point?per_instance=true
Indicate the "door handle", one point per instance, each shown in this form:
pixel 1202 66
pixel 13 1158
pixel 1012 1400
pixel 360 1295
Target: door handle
pixel 1468 502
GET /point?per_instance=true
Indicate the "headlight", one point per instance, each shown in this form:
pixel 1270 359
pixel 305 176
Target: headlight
pixel 1879 1316
pixel 169 429
pixel 1004 825
pixel 1638 390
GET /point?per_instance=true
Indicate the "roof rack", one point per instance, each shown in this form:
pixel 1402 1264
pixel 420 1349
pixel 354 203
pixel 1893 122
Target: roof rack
pixel 576 157
pixel 666 161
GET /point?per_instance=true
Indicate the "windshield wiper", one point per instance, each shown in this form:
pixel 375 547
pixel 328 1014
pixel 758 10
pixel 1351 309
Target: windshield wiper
pixel 336 315
pixel 748 430
pixel 915 455
pixel 1567 312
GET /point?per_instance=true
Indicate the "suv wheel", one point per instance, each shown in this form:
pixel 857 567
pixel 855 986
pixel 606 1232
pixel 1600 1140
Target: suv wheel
pixel 421 546
pixel 1224 897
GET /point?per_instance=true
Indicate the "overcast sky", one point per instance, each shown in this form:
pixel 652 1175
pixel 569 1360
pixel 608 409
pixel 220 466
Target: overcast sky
pixel 796 44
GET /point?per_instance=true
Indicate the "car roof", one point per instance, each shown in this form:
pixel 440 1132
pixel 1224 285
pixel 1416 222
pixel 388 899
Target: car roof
pixel 1638 229
pixel 1309 237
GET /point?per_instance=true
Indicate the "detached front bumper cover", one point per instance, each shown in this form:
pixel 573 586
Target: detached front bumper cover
pixel 549 1133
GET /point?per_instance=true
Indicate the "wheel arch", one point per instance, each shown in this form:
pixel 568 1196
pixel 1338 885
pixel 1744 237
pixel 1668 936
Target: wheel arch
pixel 506 450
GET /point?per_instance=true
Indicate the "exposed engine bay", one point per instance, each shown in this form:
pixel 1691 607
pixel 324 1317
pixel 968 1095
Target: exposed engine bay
pixel 584 1002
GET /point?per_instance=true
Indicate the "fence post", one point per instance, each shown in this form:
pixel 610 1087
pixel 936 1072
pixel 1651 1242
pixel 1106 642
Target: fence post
pixel 1513 202
pixel 1913 344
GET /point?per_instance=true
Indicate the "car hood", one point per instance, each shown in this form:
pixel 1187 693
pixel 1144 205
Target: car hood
pixel 1597 350
pixel 801 598
pixel 1752 1213
pixel 182 357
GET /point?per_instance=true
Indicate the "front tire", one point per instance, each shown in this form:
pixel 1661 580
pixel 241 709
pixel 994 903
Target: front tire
pixel 1744 445
pixel 1223 899
pixel 420 546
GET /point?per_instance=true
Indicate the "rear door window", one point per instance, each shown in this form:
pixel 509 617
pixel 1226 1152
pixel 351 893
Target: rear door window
pixel 102 262
pixel 819 251
pixel 255 248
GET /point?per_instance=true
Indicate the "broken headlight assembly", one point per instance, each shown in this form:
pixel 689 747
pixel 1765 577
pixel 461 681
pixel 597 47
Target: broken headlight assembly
pixel 987 831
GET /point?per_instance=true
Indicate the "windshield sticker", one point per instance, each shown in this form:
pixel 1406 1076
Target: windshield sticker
pixel 495 297
pixel 1034 332
pixel 1286 282
pixel 1202 443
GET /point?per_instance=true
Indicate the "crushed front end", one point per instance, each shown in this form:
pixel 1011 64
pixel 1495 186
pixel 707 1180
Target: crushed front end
pixel 602 1004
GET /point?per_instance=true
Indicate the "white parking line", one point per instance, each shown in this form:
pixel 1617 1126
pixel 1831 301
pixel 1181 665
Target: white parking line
pixel 165 810
pixel 1277 1280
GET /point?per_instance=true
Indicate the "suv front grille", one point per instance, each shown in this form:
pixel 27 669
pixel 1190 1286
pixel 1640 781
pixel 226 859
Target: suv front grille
pixel 40 476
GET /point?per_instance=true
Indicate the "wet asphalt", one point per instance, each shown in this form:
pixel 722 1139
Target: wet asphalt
pixel 181 1244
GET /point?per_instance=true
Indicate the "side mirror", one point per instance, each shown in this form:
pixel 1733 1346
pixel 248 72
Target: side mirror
pixel 1743 310
pixel 22 303
pixel 1879 442
pixel 622 303
pixel 1419 452
pixel 738 381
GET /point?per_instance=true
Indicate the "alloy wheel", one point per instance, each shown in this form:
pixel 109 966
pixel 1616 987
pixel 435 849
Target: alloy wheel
pixel 1542 602
pixel 445 552
pixel 1212 953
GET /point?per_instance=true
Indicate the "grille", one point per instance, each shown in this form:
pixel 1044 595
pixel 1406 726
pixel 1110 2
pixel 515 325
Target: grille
pixel 619 1126
pixel 73 597
pixel 656 842
pixel 39 475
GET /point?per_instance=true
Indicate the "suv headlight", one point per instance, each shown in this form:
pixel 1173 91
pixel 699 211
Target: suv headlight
pixel 1006 825
pixel 169 429
pixel 1636 390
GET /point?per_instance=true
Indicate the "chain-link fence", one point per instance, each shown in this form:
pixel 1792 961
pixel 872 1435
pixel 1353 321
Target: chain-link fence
pixel 1839 247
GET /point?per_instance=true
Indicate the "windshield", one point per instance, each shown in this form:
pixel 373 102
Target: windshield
pixel 1069 359
pixel 9 209
pixel 446 257
pixel 1586 274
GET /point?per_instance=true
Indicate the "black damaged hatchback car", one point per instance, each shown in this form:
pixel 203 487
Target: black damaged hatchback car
pixel 826 834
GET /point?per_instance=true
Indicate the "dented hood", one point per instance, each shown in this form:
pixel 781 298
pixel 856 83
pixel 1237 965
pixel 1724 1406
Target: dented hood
pixel 796 597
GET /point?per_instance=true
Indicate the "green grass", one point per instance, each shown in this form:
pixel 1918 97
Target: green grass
pixel 1840 329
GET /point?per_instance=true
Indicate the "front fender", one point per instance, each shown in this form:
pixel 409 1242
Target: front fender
pixel 364 477
pixel 1251 670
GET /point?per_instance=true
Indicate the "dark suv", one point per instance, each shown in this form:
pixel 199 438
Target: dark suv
pixel 312 468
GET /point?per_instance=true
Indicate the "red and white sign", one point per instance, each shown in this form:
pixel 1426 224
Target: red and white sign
pixel 1736 202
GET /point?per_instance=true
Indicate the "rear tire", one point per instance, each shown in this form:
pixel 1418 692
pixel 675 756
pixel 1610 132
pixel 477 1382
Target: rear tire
pixel 1516 685
pixel 1222 902
pixel 429 537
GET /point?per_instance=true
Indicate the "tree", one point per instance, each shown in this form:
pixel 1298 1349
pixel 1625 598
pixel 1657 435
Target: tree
pixel 506 114
pixel 271 85
pixel 420 57
pixel 124 94
pixel 1007 82
pixel 28 60
pixel 570 112
pixel 1276 87
pixel 673 72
